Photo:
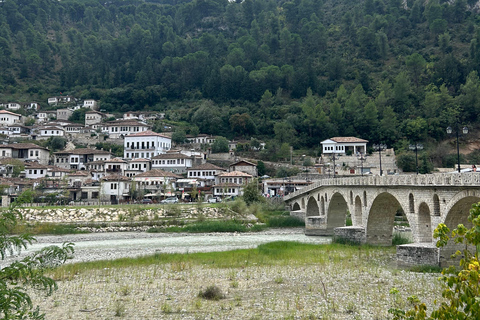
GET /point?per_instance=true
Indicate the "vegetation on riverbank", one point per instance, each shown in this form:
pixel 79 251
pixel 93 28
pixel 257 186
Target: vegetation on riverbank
pixel 274 253
pixel 280 280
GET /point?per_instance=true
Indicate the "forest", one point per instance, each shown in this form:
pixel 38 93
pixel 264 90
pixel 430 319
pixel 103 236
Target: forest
pixel 291 73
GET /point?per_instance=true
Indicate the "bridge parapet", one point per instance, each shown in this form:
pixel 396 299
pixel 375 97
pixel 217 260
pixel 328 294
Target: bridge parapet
pixel 438 179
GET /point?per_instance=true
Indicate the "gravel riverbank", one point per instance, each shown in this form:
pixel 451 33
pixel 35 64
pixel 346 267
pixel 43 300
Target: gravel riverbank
pixel 357 287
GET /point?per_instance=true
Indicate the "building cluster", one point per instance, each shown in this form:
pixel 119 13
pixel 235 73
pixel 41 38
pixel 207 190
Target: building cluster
pixel 150 166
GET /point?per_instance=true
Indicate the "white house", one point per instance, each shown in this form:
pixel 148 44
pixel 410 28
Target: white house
pixel 231 183
pixel 50 131
pixel 78 158
pixel 91 104
pixel 64 114
pixel 343 145
pixel 115 188
pixel 8 118
pixel 12 106
pixel 145 144
pixel 173 162
pixel 121 128
pixel 156 181
pixel 35 170
pixel 205 173
pixel 115 166
pixel 136 166
pixel 93 118
pixel 25 152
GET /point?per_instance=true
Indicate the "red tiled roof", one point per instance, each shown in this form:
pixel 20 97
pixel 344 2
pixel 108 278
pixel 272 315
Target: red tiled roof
pixel 147 133
pixel 157 173
pixel 235 174
pixel 348 140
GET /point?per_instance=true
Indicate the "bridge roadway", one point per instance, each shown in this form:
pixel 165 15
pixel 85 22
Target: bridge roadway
pixel 373 201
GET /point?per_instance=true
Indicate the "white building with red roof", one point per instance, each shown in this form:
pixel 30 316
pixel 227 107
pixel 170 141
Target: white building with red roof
pixel 231 183
pixel 342 145
pixel 121 128
pixel 145 144
pixel 8 118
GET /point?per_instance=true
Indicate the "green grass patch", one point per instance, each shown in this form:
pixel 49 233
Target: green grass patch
pixel 274 253
pixel 284 222
pixel 205 226
pixel 46 228
pixel 400 238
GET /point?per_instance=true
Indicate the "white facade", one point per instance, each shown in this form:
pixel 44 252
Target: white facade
pixel 121 128
pixel 64 114
pixel 8 118
pixel 341 145
pixel 90 103
pixel 173 162
pixel 36 171
pixel 147 145
pixel 47 132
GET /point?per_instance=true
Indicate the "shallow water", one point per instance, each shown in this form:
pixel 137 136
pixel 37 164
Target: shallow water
pixel 108 246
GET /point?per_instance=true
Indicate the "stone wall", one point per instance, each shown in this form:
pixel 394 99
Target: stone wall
pixel 111 214
pixel 350 234
pixel 417 254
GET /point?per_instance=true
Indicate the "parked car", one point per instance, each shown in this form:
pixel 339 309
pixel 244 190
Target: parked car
pixel 147 201
pixel 213 200
pixel 170 200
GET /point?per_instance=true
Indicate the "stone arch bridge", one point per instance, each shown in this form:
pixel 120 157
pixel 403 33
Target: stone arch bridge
pixel 373 201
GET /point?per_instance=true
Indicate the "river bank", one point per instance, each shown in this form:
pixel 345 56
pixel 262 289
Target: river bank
pixel 324 282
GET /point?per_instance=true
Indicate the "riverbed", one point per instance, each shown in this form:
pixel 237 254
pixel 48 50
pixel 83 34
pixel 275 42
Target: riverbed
pixel 109 246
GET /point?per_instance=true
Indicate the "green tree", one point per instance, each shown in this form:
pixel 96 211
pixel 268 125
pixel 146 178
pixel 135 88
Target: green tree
pixel 21 276
pixel 251 193
pixel 415 64
pixel 179 136
pixel 220 145
pixel 262 170
pixel 56 143
pixel 78 115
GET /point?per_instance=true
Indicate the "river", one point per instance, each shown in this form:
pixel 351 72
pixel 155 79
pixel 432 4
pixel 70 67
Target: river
pixel 108 246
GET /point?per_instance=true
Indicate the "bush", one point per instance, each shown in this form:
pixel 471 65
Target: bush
pixel 285 222
pixel 211 293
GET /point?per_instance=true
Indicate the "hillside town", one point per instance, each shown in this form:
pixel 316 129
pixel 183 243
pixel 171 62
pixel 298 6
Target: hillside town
pixel 151 168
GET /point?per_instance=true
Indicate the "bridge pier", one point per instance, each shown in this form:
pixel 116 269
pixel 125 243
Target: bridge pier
pixel 418 254
pixel 317 226
pixel 350 234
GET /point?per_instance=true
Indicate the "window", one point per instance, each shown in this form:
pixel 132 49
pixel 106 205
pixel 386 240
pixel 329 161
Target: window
pixel 36 153
pixel 113 186
pixel 31 153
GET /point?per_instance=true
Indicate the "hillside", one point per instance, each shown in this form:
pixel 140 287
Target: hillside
pixel 289 72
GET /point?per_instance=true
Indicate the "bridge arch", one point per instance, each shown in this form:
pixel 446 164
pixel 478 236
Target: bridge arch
pixel 312 207
pixel 381 217
pixel 436 205
pixel 322 206
pixel 303 203
pixel 295 206
pixel 458 211
pixel 337 212
pixel 358 212
pixel 411 203
pixel 424 223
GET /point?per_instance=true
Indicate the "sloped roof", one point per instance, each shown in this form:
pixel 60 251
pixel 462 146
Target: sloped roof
pixel 243 162
pixel 207 166
pixel 147 133
pixel 171 156
pixel 125 123
pixel 22 146
pixel 83 151
pixel 8 112
pixel 157 173
pixel 235 174
pixel 348 140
